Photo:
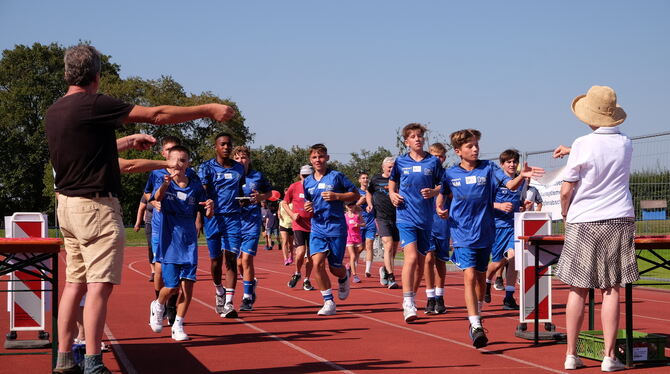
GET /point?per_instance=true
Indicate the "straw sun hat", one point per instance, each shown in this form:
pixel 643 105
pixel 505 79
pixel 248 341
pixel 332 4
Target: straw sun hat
pixel 598 107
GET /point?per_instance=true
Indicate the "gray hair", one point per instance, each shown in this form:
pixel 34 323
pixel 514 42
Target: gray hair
pixel 388 160
pixel 82 64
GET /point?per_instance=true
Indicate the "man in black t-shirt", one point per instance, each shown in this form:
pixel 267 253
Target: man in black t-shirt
pixel 378 198
pixel 83 148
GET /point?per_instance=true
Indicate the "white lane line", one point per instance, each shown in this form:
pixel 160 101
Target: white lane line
pixel 269 334
pixel 120 354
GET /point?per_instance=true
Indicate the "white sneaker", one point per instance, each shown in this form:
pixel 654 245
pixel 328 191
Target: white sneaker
pixel 343 291
pixel 156 316
pixel 409 312
pixel 328 308
pixel 611 364
pixel 178 333
pixel 572 362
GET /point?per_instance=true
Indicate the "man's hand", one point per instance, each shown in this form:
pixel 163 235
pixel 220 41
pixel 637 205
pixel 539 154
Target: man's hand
pixel 527 205
pixel 308 207
pixel 531 171
pixel 369 208
pixel 156 205
pixel 221 113
pixel 443 213
pixel 505 207
pixel 209 207
pixel 396 198
pixel 561 151
pixel 139 142
pixel 428 193
pixel 136 227
pixel 329 195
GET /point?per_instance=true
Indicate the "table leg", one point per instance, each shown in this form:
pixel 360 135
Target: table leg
pixel 592 309
pixel 54 310
pixel 629 325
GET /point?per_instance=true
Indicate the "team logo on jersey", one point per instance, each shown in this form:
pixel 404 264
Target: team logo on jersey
pixel 427 171
pixel 416 168
pixel 481 181
pixel 456 182
pixel 472 179
pixel 406 170
pixel 181 196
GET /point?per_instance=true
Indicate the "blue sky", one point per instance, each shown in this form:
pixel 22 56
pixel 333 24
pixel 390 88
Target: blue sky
pixel 349 73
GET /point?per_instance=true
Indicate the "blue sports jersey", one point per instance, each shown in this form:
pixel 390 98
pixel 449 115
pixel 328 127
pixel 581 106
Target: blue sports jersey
pixel 328 218
pixel 178 236
pixel 471 212
pixel 505 195
pixel 413 176
pixel 369 218
pixel 251 214
pixel 223 184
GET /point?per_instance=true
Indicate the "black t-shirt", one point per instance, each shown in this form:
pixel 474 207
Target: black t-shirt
pixel 379 188
pixel 81 135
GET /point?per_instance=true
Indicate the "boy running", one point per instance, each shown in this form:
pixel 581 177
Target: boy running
pixel 412 186
pixel 223 179
pixel 473 184
pixel 181 197
pixel 255 189
pixel 326 191
pixel 369 231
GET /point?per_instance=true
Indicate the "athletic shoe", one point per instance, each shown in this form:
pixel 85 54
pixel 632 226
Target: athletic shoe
pixel 294 280
pixel 382 276
pixel 76 369
pixel 171 313
pixel 392 285
pixel 290 260
pixel 328 308
pixel 253 291
pixel 368 275
pixel 156 316
pixel 611 364
pixel 220 302
pixel 409 312
pixel 498 285
pixel 307 285
pixel 430 306
pixel 286 262
pixel 356 279
pixel 439 305
pixel 229 311
pixel 343 291
pixel 510 304
pixel 178 333
pixel 478 336
pixel 487 294
pixel 572 362
pixel 247 305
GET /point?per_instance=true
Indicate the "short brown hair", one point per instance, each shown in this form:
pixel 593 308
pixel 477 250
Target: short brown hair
pixel 438 147
pixel 413 126
pixel 460 137
pixel 82 64
pixel 509 154
pixel 319 148
pixel 241 149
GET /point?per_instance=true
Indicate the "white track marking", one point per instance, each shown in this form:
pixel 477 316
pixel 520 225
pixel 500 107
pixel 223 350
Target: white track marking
pixel 120 354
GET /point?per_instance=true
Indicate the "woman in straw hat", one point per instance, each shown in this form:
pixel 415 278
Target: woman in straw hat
pixel 597 209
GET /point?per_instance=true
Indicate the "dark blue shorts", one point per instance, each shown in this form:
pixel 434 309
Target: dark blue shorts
pixel 410 234
pixel 223 234
pixel 334 245
pixel 174 273
pixel 466 258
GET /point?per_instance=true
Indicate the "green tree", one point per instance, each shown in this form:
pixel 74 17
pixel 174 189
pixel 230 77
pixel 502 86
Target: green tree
pixel 280 166
pixel 365 162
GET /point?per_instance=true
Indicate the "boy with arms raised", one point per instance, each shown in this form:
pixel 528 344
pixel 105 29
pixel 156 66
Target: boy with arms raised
pixel 473 184
pixel 326 191
pixel 181 197
pixel 412 186
pixel 255 189
pixel 223 179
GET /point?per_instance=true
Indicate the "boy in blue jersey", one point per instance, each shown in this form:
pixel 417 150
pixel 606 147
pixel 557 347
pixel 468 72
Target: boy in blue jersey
pixel 472 184
pixel 326 191
pixel 506 203
pixel 181 197
pixel 412 185
pixel 370 230
pixel 256 188
pixel 223 179
pixel 437 257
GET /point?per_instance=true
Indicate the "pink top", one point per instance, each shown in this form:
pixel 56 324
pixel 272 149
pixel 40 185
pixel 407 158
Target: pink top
pixel 354 223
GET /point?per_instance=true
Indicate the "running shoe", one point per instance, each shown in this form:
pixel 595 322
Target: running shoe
pixel 220 302
pixel 247 305
pixel 572 362
pixel 290 260
pixel 156 311
pixel 171 313
pixel 430 306
pixel 307 285
pixel 439 305
pixel 510 304
pixel 611 364
pixel 498 285
pixel 356 279
pixel 368 275
pixel 229 311
pixel 178 333
pixel 409 312
pixel 343 291
pixel 287 262
pixel 294 280
pixel 382 276
pixel 76 369
pixel 392 285
pixel 478 336
pixel 328 308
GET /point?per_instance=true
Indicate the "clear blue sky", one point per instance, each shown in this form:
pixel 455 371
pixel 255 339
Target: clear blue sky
pixel 349 73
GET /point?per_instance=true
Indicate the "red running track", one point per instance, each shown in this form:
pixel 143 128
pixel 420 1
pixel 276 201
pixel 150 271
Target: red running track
pixel 284 335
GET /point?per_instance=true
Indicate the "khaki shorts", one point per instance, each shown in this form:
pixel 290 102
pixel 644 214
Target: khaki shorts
pixel 94 236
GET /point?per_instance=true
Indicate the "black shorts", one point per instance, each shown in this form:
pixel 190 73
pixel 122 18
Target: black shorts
pixel 286 229
pixel 300 238
pixel 387 227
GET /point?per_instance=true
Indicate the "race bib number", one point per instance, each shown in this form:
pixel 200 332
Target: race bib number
pixel 471 179
pixel 322 186
pixel 416 169
pixel 228 175
pixel 181 196
pixel 302 195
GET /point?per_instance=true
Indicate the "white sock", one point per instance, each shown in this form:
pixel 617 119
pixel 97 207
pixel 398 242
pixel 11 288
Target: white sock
pixel 178 321
pixel 475 321
pixel 368 266
pixel 230 292
pixel 430 293
pixel 304 280
pixel 219 290
pixel 246 296
pixel 439 291
pixel 488 281
pixel 408 298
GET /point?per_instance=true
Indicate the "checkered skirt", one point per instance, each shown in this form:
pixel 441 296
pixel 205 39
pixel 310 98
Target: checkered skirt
pixel 599 254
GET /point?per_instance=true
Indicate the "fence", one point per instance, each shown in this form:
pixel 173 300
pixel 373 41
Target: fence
pixel 649 182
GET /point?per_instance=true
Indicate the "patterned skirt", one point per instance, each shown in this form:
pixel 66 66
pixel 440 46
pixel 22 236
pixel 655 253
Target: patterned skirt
pixel 599 254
